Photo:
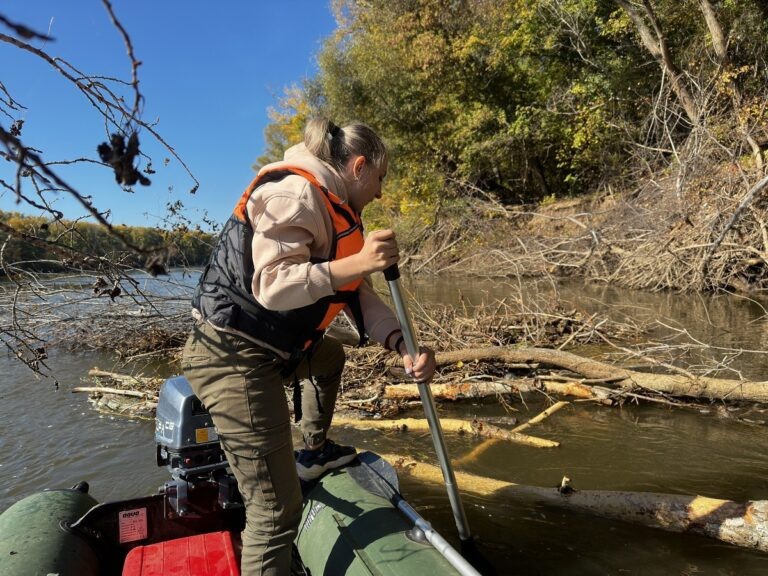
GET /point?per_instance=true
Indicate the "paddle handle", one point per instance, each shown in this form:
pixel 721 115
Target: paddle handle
pixel 392 275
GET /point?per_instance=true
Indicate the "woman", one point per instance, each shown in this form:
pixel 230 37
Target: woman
pixel 288 260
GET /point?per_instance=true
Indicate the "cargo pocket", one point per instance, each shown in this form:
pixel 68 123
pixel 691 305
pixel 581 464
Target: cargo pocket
pixel 264 466
pixel 197 349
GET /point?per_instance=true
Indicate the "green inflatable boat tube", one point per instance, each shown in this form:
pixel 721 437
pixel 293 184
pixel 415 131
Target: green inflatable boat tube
pixel 346 529
pixel 32 541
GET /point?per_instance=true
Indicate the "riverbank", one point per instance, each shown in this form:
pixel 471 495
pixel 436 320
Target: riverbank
pixel 704 234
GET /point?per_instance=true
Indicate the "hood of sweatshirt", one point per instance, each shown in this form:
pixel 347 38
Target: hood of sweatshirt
pixel 298 155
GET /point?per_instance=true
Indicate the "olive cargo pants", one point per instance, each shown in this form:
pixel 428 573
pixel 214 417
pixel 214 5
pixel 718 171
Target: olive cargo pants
pixel 241 385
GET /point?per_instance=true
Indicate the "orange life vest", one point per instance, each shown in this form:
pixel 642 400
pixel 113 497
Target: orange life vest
pixel 223 295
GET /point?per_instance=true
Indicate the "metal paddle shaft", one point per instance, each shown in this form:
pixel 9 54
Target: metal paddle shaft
pixel 392 274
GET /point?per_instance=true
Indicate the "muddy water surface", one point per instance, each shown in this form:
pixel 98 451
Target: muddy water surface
pixel 51 438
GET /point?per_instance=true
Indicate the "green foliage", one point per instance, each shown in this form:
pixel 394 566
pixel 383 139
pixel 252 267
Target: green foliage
pixel 523 99
pixel 52 246
pixel 286 125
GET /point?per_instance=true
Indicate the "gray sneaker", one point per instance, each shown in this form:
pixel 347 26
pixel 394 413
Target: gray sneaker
pixel 311 464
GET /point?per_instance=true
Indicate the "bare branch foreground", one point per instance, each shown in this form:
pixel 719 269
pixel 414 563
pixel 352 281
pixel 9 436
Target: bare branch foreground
pixel 36 181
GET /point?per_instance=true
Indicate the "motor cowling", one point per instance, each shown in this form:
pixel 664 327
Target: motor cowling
pixel 186 438
pixel 187 443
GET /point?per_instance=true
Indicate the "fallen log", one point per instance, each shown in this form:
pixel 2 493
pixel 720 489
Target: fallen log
pixel 572 389
pixel 544 414
pixel 476 428
pixel 451 391
pixel 683 385
pixel 742 524
pixel 118 391
pixel 478 450
pixel 127 379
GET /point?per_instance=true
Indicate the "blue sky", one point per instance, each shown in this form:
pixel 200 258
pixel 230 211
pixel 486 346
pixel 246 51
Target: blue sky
pixel 209 73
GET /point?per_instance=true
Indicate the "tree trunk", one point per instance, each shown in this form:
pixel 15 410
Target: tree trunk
pixel 715 30
pixel 672 384
pixel 656 43
pixel 476 428
pixel 742 524
pixel 720 46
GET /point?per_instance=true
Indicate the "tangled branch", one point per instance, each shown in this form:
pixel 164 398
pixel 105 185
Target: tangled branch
pixel 26 328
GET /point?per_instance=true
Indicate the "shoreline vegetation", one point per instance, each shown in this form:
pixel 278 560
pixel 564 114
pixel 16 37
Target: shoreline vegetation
pixel 39 244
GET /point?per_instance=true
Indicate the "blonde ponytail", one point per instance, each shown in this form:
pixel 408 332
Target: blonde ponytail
pixel 335 145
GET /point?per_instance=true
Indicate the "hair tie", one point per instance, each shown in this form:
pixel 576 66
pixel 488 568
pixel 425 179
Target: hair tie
pixel 333 130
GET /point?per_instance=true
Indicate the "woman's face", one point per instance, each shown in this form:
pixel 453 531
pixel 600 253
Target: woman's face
pixel 365 182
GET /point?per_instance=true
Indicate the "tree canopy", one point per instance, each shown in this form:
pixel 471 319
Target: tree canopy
pixel 525 100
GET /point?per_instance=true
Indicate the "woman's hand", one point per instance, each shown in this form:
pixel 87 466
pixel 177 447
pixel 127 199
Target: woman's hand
pixel 424 368
pixel 379 251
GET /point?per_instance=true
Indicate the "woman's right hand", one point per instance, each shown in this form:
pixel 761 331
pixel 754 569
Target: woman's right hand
pixel 423 369
pixel 380 251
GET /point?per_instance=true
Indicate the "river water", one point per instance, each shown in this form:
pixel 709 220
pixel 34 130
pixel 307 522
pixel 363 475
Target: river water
pixel 51 438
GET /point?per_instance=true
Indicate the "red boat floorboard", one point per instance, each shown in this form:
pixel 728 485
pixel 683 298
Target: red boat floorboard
pixel 202 555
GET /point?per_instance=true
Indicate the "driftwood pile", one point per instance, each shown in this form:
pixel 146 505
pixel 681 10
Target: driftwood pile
pixel 127 395
pixel 701 226
pixel 501 352
pixel 494 357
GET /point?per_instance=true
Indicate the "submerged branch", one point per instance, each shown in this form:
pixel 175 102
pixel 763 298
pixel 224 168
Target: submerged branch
pixel 739 523
pixel 477 428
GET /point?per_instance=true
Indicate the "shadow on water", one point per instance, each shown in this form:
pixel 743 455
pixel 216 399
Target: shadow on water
pixel 53 439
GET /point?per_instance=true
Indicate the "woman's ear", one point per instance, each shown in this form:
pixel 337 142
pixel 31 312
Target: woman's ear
pixel 357 167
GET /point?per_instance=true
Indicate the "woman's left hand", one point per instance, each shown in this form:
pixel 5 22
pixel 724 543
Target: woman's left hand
pixel 424 367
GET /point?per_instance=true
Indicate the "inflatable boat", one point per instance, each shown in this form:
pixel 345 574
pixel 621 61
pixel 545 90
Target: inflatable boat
pixel 355 520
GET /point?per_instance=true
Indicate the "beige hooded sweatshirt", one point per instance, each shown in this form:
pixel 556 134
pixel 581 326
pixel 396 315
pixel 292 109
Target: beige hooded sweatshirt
pixel 291 224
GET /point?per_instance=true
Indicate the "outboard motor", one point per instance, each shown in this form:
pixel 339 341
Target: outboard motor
pixel 188 445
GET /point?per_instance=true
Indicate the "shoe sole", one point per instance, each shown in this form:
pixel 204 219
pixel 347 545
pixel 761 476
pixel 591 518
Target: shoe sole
pixel 315 471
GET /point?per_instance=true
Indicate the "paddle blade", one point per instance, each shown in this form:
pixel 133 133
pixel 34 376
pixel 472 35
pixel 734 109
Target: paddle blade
pixel 376 475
